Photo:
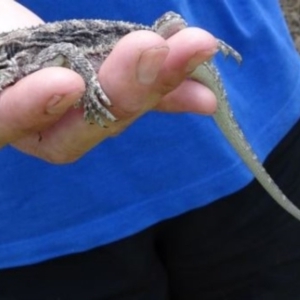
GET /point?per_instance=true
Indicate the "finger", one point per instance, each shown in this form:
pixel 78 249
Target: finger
pixel 135 72
pixel 190 96
pixel 38 101
pixel 188 48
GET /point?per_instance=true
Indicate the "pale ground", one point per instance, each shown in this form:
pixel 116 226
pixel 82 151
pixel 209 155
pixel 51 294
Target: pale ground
pixel 292 13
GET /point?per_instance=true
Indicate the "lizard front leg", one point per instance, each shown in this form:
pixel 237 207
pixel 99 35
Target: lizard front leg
pixel 68 55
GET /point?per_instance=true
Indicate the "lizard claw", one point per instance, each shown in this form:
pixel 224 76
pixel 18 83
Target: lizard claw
pixel 94 102
pixel 228 50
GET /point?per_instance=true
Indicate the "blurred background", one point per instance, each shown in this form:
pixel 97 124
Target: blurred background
pixel 291 10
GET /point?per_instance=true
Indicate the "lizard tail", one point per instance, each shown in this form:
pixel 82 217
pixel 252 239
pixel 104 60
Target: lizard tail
pixel 208 75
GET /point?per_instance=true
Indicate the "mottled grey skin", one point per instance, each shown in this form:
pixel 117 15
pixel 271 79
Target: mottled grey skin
pixel 82 45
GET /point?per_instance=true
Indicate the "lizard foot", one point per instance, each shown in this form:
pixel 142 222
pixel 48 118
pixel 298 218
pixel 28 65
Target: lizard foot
pixel 94 100
pixel 228 50
pixel 94 111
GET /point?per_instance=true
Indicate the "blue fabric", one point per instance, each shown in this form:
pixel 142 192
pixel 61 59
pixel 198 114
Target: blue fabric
pixel 163 165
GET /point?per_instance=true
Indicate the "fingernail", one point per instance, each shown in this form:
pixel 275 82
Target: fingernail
pixel 150 63
pixel 59 104
pixel 199 57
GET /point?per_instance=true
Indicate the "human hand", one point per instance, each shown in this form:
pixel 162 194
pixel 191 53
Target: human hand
pixel 143 72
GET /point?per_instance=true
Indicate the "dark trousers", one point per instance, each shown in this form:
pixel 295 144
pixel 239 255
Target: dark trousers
pixel 242 247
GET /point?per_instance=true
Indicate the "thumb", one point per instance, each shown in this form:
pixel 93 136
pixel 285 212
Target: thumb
pixel 37 101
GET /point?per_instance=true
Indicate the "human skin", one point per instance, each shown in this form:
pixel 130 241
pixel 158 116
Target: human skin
pixel 144 72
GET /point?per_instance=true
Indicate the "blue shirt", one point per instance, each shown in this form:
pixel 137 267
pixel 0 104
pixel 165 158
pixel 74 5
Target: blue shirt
pixel 163 165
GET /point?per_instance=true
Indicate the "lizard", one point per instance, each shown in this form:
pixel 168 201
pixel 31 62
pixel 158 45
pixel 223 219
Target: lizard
pixel 82 45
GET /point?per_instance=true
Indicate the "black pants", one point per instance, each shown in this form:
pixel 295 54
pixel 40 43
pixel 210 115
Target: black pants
pixel 242 247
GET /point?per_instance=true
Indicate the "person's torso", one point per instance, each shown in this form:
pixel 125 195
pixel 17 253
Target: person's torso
pixel 164 164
